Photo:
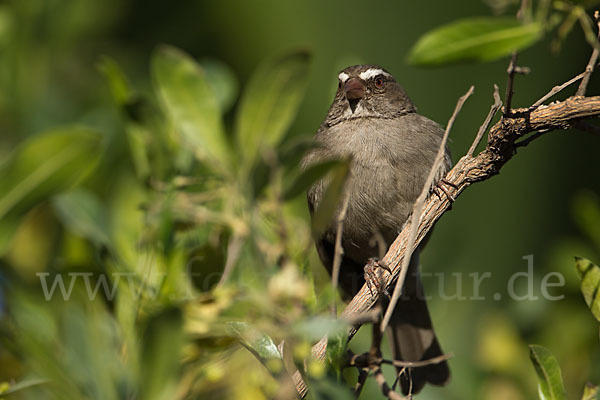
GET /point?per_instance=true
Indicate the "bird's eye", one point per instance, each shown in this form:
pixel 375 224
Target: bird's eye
pixel 379 82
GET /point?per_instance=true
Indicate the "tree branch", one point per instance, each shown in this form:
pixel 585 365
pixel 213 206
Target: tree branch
pixel 468 170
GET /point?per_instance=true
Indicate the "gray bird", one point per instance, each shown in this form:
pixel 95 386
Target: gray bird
pixel 392 149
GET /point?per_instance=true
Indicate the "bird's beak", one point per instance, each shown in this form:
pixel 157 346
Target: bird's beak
pixel 354 89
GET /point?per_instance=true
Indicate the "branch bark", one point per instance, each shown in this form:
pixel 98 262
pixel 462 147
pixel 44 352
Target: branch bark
pixel 468 170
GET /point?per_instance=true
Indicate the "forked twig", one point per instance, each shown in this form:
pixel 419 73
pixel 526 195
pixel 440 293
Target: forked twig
pixel 591 63
pixel 486 124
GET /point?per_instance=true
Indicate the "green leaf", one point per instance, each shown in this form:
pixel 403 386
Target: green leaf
pixel 161 351
pixel 550 383
pixel 256 341
pixel 42 167
pixel 83 213
pixel 270 102
pixel 590 392
pixel 589 273
pixel 223 82
pixel 191 104
pixel 20 386
pixel 308 177
pixel 474 39
pixel 331 198
pixel 117 81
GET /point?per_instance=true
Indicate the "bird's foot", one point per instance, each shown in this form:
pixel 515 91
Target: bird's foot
pixel 439 187
pixel 373 275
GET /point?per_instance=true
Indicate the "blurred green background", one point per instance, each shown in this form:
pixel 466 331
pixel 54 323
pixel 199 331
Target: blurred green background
pixel 544 203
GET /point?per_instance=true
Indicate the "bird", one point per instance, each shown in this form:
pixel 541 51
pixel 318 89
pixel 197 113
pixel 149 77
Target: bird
pixel 392 149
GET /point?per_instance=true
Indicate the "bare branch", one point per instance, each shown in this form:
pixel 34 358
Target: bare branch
pixel 418 207
pixel 416 364
pixel 590 66
pixel 486 124
pixel 555 90
pixel 512 70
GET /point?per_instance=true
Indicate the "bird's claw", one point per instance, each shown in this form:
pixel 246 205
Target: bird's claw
pixel 373 278
pixel 440 187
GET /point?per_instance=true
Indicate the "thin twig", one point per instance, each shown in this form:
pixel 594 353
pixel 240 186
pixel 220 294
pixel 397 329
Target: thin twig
pixel 233 254
pixel 590 66
pixel 509 83
pixel 512 70
pixel 416 364
pixel 418 207
pixel 385 389
pixel 375 367
pixel 360 383
pixel 488 120
pixel 339 250
pixel 555 90
pixel 366 359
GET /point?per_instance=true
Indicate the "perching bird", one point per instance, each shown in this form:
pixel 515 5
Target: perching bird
pixel 392 150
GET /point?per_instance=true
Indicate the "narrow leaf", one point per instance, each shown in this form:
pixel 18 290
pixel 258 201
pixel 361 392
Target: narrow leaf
pixel 331 198
pixel 308 177
pixel 191 104
pixel 41 167
pixel 256 341
pixel 550 383
pixel 589 273
pixel 20 386
pixel 83 213
pixel 270 102
pixel 117 81
pixel 474 39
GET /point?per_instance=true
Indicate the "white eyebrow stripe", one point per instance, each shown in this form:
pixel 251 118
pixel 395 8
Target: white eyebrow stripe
pixel 343 77
pixel 371 72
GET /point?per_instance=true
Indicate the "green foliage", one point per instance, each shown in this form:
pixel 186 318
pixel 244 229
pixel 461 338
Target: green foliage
pixel 43 166
pixel 161 343
pixel 191 105
pixel 474 39
pixel 589 273
pixel 331 198
pixel 483 39
pixel 548 371
pixel 270 102
pixel 82 213
pixel 8 389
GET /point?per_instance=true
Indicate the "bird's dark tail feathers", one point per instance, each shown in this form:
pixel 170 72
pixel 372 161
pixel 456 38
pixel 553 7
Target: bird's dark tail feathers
pixel 412 336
